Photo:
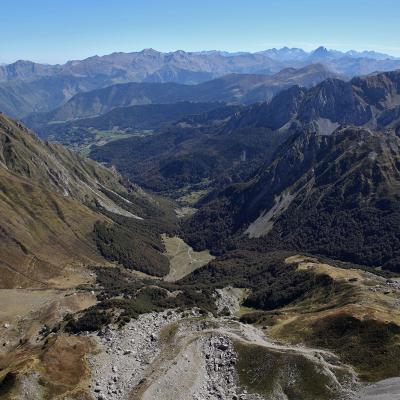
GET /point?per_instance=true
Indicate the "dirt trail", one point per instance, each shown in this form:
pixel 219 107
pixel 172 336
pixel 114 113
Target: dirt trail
pixel 184 356
pixel 197 361
pixel 183 376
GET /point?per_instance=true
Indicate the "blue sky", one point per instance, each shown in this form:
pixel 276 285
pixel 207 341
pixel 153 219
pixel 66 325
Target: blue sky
pixel 58 30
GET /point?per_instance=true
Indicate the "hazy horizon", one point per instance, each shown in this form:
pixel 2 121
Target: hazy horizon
pixel 202 50
pixel 73 30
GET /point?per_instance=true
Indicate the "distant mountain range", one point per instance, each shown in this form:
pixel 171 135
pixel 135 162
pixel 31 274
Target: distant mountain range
pixel 19 97
pixel 191 67
pixel 286 53
pixel 233 88
pixel 229 144
pixel 27 87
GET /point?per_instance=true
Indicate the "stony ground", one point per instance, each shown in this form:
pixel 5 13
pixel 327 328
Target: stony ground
pixel 228 300
pixel 183 356
pixel 388 389
pixel 188 356
pixel 125 355
pixel 141 361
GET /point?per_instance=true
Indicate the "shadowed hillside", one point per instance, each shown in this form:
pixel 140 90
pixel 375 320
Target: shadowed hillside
pixel 336 195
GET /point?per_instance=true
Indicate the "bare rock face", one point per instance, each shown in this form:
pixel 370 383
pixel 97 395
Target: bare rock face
pixel 371 100
pixel 220 365
pixel 337 101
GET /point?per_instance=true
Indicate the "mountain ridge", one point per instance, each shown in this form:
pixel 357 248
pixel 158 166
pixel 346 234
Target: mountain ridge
pixel 242 136
pixel 26 69
pixel 233 88
pixel 371 99
pixel 182 67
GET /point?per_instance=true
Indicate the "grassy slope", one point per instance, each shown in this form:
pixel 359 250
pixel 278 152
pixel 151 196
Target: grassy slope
pixel 358 321
pixel 41 232
pixel 271 372
pixel 50 201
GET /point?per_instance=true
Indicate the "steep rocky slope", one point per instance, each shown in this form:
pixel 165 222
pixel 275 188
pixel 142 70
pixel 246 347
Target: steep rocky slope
pixel 337 195
pixel 229 144
pixel 371 100
pixel 51 201
pixel 19 98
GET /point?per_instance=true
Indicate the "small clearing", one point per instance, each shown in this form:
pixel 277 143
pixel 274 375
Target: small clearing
pixel 182 258
pixel 183 212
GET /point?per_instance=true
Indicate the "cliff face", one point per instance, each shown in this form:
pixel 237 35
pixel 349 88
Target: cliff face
pixel 372 101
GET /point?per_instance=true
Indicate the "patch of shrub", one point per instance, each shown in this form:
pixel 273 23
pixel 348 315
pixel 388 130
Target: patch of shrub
pixel 118 243
pixel 7 383
pixel 90 320
pixel 124 297
pixel 273 283
pixel 259 318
